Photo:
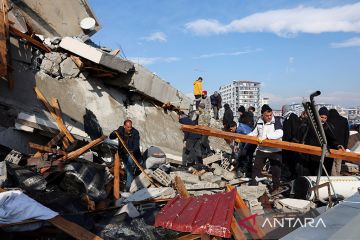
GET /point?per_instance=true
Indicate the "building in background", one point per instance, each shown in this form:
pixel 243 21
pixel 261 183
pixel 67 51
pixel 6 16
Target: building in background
pixel 237 93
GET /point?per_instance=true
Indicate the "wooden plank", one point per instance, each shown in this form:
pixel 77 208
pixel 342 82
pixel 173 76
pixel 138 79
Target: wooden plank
pixel 189 237
pixel 77 60
pixel 339 154
pixel 65 142
pixel 115 52
pixel 3 42
pixel 80 151
pixel 73 229
pixel 55 104
pixel 236 231
pixel 53 114
pixel 134 159
pixel 180 187
pixel 46 149
pixel 29 39
pixel 241 206
pixel 116 176
pixel 51 143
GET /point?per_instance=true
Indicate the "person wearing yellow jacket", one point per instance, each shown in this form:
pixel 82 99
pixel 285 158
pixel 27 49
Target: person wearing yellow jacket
pixel 198 91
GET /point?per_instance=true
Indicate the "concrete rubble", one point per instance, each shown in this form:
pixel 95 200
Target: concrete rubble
pixel 48 150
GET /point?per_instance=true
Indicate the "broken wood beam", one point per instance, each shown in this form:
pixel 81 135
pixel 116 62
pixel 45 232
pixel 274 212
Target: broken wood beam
pixel 236 231
pixel 73 229
pixel 55 104
pixel 134 159
pixel 116 176
pixel 180 187
pixel 3 41
pixel 77 60
pixel 52 111
pixel 74 154
pixel 296 147
pixel 46 149
pixel 31 40
pixel 244 211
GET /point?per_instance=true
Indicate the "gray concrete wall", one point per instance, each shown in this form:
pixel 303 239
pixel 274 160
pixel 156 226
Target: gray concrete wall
pixel 56 17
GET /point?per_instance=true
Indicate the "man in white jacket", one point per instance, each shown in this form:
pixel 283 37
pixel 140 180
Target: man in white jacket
pixel 268 127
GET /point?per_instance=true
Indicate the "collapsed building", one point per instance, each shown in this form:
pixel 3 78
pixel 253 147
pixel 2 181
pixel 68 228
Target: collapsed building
pixel 60 94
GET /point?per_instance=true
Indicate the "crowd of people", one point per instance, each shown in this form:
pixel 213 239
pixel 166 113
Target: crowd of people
pixel 250 159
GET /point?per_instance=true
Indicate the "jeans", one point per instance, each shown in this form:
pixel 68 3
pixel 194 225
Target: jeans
pixel 129 169
pixel 216 112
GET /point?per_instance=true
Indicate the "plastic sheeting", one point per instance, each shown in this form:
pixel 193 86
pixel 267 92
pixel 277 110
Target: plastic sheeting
pixel 209 214
pixel 17 206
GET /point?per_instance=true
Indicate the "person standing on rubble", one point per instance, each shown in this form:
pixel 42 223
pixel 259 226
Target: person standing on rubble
pixel 241 111
pixel 191 142
pixel 251 110
pixel 291 123
pixel 215 100
pixel 228 117
pixel 198 91
pixel 267 127
pixel 206 101
pixel 342 134
pixel 131 138
pixel 202 117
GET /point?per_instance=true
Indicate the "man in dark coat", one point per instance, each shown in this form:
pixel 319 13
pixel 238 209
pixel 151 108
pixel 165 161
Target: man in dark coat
pixel 291 124
pixel 215 100
pixel 192 143
pixel 228 117
pixel 341 132
pixel 131 138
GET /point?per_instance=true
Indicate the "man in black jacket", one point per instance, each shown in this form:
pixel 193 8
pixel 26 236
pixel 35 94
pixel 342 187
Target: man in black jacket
pixel 228 117
pixel 215 100
pixel 131 138
pixel 341 132
pixel 192 143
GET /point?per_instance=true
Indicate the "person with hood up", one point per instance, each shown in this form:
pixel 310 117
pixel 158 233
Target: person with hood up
pixel 198 91
pixel 267 127
pixel 342 133
pixel 228 117
pixel 215 100
pixel 291 123
pixel 241 111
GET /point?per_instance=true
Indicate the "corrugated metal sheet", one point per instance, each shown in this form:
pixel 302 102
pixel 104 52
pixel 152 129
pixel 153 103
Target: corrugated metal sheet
pixel 209 214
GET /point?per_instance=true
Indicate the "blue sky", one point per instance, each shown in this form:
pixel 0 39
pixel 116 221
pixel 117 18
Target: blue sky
pixel 291 47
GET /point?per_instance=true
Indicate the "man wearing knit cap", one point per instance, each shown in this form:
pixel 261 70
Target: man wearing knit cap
pixel 267 127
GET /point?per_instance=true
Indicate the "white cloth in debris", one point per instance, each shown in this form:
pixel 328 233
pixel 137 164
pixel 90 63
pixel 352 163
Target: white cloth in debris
pixel 16 206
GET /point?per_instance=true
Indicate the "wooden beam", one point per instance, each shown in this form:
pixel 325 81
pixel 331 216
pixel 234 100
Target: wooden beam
pixel 236 231
pixel 80 151
pixel 297 147
pixel 46 149
pixel 3 42
pixel 189 237
pixel 54 111
pixel 180 187
pixel 245 212
pixel 29 39
pixel 55 104
pixel 116 176
pixel 73 229
pixel 77 60
pixel 134 159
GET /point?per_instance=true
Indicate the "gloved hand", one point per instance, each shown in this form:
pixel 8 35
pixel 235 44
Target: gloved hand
pixel 237 140
pixel 260 140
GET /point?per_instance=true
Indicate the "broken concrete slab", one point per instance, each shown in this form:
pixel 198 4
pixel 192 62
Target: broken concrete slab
pixel 140 181
pixel 69 69
pixel 209 177
pixel 251 192
pixel 201 185
pixel 151 193
pixel 57 18
pixel 219 171
pixel 293 205
pixel 162 177
pixel 92 54
pixel 213 158
pixel 186 177
pixel 130 209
